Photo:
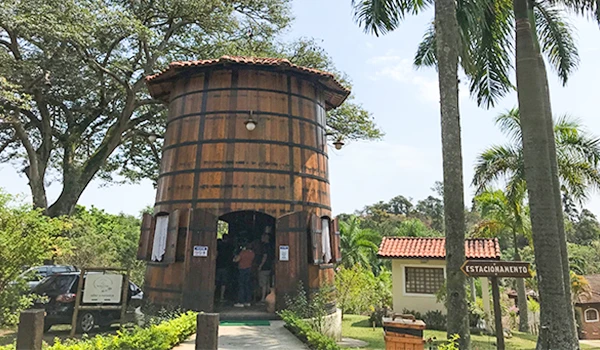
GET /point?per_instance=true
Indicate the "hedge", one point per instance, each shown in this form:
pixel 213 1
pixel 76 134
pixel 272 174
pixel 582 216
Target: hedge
pixel 301 329
pixel 163 336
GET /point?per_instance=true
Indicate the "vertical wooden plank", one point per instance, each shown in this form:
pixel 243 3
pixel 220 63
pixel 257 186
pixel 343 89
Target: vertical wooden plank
pixel 150 238
pixel 199 273
pixel 291 232
pixel 336 249
pixel 172 233
pixel 144 237
pixel 497 314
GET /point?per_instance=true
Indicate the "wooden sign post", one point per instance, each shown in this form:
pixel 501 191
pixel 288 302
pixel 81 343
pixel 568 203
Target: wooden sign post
pixel 494 269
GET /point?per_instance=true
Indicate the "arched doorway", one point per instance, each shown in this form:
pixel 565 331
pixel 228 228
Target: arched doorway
pixel 244 230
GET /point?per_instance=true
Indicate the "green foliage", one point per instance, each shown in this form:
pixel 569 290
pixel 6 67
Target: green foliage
pixel 102 239
pixel 451 344
pixel 303 330
pixel 27 238
pixel 435 319
pixel 359 291
pixel 585 230
pixel 577 151
pixel 161 336
pixel 72 80
pixel 358 246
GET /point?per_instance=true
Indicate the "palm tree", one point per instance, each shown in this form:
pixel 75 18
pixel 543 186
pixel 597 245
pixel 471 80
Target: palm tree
pixel 503 214
pixel 578 157
pixel 385 15
pixel 358 245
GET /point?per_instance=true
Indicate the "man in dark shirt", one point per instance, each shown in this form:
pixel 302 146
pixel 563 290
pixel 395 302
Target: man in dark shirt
pixel 265 267
pixel 224 257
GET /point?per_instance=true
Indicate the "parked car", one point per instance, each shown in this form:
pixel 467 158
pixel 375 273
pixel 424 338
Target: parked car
pixel 34 275
pixel 57 296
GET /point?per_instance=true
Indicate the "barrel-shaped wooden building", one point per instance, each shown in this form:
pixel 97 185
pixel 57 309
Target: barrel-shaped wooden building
pixel 245 143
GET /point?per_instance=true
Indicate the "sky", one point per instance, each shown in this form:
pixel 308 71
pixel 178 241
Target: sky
pixel 405 104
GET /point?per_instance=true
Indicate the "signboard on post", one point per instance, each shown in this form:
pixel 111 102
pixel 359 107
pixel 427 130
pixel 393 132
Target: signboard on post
pixel 496 268
pixel 103 288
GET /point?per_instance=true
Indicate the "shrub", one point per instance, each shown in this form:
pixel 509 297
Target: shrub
pixel 161 336
pixel 306 333
pixel 435 320
pixel 360 291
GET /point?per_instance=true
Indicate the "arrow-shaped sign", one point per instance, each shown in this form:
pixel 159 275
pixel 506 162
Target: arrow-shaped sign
pixel 496 268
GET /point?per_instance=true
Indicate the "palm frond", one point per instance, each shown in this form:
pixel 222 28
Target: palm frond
pixel 490 48
pixel 495 163
pixel 588 8
pixel 382 16
pixel 426 56
pixel 510 124
pixel 556 39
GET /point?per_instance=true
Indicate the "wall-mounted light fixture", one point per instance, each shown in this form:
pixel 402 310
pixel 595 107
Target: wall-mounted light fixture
pixel 250 122
pixel 152 138
pixel 338 144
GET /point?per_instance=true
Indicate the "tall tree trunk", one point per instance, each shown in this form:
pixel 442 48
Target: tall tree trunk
pixel 556 312
pixel 562 237
pixel 521 294
pixel 448 41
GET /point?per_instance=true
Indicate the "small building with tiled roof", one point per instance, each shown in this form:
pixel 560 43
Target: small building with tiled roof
pixel 588 309
pixel 419 268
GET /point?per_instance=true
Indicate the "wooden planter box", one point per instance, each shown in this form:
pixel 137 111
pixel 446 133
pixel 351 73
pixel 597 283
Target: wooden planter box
pixel 403 332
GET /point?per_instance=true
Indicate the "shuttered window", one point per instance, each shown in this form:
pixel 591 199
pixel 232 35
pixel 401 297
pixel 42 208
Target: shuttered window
pixel 159 245
pixel 325 240
pixel 423 280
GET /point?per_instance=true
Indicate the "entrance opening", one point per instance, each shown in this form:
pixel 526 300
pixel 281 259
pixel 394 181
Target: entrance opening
pixel 245 263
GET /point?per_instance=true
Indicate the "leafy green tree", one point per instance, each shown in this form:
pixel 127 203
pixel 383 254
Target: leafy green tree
pixel 585 230
pixel 415 228
pixel 74 104
pixel 358 246
pixel 431 210
pixel 359 291
pixel 578 158
pixel 100 239
pixel 27 238
pixel 383 16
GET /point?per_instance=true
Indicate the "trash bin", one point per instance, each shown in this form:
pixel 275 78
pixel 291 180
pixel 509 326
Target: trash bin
pixel 403 332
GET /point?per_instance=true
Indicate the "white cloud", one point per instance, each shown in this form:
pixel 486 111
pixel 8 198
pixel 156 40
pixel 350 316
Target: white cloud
pixel 401 69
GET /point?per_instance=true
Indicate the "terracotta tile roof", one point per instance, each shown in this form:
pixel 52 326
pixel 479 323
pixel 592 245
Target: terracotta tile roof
pixel 335 93
pixel 434 248
pixel 594 295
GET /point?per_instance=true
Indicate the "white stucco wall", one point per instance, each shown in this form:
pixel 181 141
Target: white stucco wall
pixel 417 302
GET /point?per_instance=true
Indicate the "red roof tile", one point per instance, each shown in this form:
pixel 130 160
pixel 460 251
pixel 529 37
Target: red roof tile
pixel 593 295
pixel 335 93
pixel 435 248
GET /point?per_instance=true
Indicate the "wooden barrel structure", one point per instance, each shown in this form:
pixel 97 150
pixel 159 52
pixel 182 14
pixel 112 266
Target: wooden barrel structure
pixel 213 165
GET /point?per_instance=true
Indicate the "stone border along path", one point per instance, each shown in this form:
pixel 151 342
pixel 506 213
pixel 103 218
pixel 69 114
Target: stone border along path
pixel 273 337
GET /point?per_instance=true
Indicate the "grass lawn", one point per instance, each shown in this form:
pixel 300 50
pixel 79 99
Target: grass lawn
pixel 355 326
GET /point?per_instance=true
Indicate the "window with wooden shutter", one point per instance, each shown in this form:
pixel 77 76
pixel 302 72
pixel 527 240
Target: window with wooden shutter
pixel 315 239
pixel 334 233
pixel 172 235
pixel 325 240
pixel 159 243
pixel 146 237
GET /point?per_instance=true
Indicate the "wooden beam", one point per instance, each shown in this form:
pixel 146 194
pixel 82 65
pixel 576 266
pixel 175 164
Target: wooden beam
pixel 497 314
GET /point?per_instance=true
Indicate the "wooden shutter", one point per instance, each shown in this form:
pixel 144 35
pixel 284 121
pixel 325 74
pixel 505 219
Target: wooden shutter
pixel 315 239
pixel 172 234
pixel 291 233
pixel 146 237
pixel 199 271
pixel 334 233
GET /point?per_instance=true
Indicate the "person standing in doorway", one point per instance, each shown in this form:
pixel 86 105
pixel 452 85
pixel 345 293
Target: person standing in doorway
pixel 244 259
pixel 224 256
pixel 265 267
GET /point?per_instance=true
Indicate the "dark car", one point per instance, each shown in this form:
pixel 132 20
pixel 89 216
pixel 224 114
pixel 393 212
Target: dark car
pixel 57 295
pixel 36 274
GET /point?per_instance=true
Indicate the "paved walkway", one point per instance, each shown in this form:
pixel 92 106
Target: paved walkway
pixel 594 343
pixel 273 337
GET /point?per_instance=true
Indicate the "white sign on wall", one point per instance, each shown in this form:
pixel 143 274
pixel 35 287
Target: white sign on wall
pixel 201 250
pixel 100 288
pixel 284 253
